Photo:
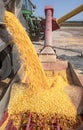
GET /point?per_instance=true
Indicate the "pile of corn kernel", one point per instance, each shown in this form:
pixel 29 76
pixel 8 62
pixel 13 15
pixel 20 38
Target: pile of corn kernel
pixel 46 105
pixel 42 96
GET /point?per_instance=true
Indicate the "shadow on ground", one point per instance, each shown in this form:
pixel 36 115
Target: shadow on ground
pixel 76 61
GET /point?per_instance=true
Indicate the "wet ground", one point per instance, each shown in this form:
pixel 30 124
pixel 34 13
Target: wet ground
pixel 68 42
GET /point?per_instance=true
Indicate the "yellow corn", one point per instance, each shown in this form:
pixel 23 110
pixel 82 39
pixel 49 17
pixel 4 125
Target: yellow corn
pixel 46 103
pixel 33 72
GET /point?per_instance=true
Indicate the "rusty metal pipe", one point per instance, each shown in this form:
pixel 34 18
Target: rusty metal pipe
pixel 47 54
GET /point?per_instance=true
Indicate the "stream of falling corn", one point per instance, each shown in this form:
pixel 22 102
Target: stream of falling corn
pixel 33 70
pixel 42 94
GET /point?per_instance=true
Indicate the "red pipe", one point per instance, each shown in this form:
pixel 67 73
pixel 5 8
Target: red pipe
pixel 57 124
pixel 48 29
pixel 29 122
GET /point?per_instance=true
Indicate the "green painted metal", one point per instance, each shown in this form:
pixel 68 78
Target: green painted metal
pixel 33 22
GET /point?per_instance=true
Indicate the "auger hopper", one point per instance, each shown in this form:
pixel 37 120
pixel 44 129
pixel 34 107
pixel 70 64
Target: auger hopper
pixel 47 55
pixel 52 64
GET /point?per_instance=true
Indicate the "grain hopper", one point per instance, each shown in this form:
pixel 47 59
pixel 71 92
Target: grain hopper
pixel 48 56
